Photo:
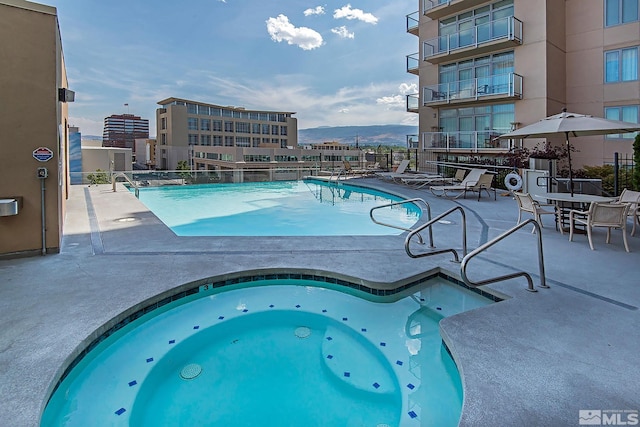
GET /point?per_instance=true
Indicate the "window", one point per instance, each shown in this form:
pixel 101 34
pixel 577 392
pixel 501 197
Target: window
pixel 242 127
pixel 283 130
pixel 203 110
pixel 621 65
pixel 163 122
pixel 628 113
pixel 226 157
pixel 217 125
pixel 265 129
pixel 192 108
pixel 192 123
pixel 228 141
pixel 217 140
pixel 256 142
pixel 205 139
pixel 243 141
pixel 205 124
pixel 274 129
pixel 193 138
pixel 282 158
pixel 255 128
pixel 228 126
pixel 618 12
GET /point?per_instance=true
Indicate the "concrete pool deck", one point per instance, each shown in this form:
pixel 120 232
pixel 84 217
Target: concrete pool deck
pixel 535 359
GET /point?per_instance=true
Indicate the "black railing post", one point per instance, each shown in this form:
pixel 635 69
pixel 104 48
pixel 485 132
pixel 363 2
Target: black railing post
pixel 616 171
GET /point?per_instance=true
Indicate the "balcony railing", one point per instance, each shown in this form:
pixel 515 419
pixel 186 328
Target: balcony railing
pixel 413 103
pixel 507 85
pixel 509 28
pixel 413 22
pixel 413 63
pixel 468 141
pixel 413 141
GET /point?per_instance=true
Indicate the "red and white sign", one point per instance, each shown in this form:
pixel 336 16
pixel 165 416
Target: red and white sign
pixel 42 154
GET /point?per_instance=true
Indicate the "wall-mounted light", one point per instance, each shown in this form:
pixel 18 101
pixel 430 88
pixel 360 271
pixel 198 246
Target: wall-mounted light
pixel 66 95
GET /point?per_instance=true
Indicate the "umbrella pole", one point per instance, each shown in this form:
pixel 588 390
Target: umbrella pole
pixel 569 159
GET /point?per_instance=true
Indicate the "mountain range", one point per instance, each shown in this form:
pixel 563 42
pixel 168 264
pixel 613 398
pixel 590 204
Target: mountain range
pixel 363 135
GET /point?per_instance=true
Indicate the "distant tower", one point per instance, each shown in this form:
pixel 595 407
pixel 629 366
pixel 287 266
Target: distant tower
pixel 121 130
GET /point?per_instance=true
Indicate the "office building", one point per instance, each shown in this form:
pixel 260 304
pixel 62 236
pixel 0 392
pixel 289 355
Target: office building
pixel 121 130
pixel 34 183
pixel 487 67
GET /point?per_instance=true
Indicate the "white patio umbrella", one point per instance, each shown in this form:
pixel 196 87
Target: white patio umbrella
pixel 571 124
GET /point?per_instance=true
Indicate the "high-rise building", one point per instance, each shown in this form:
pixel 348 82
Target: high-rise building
pixel 487 67
pixel 122 130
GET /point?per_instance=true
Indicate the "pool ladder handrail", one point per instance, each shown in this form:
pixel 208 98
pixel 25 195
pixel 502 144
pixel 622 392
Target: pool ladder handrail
pixel 386 205
pixel 407 240
pixel 117 175
pixel 480 249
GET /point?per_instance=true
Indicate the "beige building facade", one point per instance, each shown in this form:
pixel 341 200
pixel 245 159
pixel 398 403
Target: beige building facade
pixel 35 130
pixel 487 67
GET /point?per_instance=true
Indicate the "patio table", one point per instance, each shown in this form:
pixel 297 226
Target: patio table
pixel 565 202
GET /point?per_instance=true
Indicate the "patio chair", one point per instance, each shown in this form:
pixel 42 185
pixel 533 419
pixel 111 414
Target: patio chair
pixel 527 204
pixel 633 199
pixel 484 183
pixel 393 175
pixel 349 170
pixel 610 215
pixel 469 181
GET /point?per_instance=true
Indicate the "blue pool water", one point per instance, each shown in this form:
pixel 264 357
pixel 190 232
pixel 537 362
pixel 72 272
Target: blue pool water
pixel 277 353
pixel 281 208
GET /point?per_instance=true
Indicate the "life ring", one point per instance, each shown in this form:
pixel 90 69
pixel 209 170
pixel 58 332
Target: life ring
pixel 513 181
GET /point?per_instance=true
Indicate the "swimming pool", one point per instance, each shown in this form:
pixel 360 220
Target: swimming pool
pixel 279 352
pixel 279 208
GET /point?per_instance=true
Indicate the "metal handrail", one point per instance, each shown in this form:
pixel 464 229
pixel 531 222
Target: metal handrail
pixel 117 175
pixel 403 228
pixel 407 240
pixel 530 288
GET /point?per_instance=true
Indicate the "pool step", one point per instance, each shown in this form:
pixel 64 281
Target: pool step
pixel 356 362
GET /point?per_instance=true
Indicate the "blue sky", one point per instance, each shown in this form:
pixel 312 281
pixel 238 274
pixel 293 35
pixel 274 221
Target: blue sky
pixel 334 63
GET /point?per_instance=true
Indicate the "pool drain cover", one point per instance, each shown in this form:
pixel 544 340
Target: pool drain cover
pixel 303 332
pixel 191 371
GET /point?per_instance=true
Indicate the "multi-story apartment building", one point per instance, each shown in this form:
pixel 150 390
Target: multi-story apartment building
pixel 34 182
pixel 487 67
pixel 122 130
pixel 240 143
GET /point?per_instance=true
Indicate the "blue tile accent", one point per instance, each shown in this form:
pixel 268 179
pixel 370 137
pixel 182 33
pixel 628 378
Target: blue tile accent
pixel 376 385
pixel 196 327
pixel 297 305
pixel 364 329
pixel 121 411
pixel 438 308
pixel 245 310
pixel 383 344
pixel 329 338
pixel 149 360
pixel 410 386
pixel 172 341
pixel 347 374
pixel 329 356
pixel 413 414
pixel 220 317
pixel 132 383
pixel 324 311
pixel 271 305
pixel 345 319
pixel 399 362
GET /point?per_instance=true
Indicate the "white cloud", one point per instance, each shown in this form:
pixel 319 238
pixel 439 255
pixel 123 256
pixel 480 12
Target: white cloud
pixel 280 29
pixel 318 10
pixel 398 101
pixel 343 32
pixel 348 13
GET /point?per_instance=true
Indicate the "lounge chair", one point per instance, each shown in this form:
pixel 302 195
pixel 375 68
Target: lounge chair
pixel 419 180
pixel 610 215
pixel 393 175
pixel 527 204
pixel 633 199
pixel 485 182
pixel 349 170
pixel 467 183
